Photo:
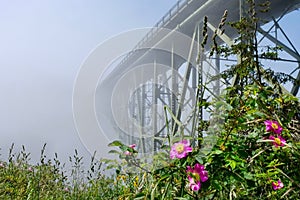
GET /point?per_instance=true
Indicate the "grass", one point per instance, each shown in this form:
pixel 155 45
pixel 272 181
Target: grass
pixel 49 179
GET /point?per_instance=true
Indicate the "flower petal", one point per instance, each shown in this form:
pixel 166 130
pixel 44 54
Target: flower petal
pixel 195 186
pixel 186 142
pixel 180 149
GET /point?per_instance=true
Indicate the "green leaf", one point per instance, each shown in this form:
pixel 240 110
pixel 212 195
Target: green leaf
pixel 199 159
pixel 217 185
pixel 139 196
pixel 217 152
pixel 115 143
pixel 273 163
pixel 232 164
pixel 248 176
pixel 253 134
pixel 125 148
pixel 114 151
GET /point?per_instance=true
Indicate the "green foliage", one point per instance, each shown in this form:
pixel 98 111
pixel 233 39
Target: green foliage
pixel 48 179
pixel 243 165
pixel 244 162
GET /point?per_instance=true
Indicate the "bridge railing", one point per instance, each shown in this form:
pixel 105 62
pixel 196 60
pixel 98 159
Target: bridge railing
pixel 160 24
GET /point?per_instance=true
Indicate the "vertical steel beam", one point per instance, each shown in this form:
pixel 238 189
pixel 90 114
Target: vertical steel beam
pixel 217 71
pixel 154 105
pixel 143 116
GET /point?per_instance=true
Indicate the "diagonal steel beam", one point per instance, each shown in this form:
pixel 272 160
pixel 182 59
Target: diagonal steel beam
pixel 290 51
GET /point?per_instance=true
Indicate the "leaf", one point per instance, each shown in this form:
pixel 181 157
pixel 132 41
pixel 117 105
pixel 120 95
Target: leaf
pixel 232 164
pixel 218 152
pixel 248 176
pixel 253 134
pixel 115 143
pixel 273 163
pixel 126 148
pixel 139 196
pixel 122 156
pixel 114 151
pixel 217 185
pixel 199 159
pixel 165 147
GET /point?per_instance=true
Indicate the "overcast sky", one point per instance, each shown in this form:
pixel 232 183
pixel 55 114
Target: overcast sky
pixel 42 45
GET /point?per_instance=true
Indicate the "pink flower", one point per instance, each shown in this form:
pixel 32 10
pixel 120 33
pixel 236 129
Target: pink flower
pixel 127 153
pixel 277 141
pixel 132 146
pixel 194 186
pixel 180 149
pixel 196 175
pixel 66 189
pixel 277 185
pixel 30 169
pixel 273 126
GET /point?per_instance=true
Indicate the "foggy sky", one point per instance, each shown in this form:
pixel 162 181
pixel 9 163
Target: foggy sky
pixel 42 46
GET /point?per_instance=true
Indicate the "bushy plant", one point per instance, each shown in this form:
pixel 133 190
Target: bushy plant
pixel 51 179
pixel 257 151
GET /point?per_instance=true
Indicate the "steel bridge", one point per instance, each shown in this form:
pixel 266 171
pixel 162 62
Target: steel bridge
pixel 163 77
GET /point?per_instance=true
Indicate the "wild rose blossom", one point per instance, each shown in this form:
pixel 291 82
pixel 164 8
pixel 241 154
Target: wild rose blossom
pixel 127 153
pixel 277 185
pixel 180 149
pixel 278 141
pixel 273 126
pixel 196 175
pixel 195 186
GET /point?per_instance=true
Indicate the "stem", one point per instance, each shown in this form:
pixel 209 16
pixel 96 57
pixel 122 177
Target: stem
pixel 292 180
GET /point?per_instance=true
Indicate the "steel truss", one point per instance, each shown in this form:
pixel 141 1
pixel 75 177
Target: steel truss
pixel 177 88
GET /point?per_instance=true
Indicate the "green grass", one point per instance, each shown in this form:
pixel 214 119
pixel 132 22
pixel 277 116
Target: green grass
pixel 49 179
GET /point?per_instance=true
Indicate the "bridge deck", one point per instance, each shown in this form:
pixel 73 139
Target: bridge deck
pixel 186 14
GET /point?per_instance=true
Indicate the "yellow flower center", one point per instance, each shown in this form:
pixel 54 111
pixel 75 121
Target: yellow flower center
pixel 196 176
pixel 278 141
pixel 274 126
pixel 180 148
pixel 276 184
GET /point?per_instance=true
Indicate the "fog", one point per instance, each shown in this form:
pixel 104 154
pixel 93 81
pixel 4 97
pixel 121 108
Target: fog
pixel 43 44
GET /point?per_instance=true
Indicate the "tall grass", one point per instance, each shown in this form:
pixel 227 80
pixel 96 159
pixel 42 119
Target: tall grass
pixel 50 178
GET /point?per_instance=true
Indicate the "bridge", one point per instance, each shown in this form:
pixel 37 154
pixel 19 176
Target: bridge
pixel 164 70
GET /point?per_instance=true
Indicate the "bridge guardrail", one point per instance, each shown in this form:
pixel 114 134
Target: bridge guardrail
pixel 161 23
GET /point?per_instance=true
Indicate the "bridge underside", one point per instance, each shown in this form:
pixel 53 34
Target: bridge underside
pixel 162 71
